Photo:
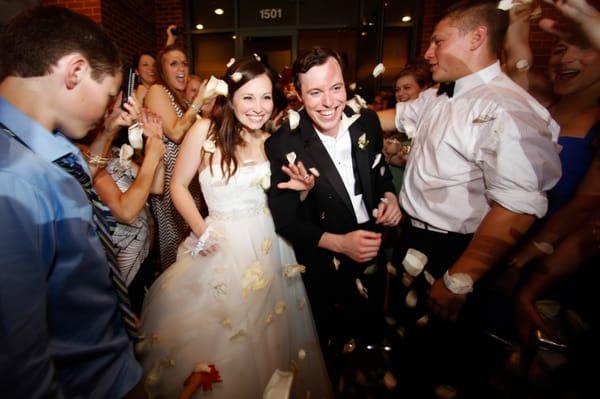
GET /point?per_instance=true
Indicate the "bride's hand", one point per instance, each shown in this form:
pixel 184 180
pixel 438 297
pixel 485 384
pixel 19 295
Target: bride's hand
pixel 300 179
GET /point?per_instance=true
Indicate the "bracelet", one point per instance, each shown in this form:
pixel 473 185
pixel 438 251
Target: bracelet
pixel 458 283
pixel 96 160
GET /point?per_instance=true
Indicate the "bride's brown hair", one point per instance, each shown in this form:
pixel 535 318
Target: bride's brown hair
pixel 225 128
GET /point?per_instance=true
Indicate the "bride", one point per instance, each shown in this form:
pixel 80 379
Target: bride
pixel 231 314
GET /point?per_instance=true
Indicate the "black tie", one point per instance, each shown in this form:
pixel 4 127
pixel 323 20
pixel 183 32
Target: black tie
pixel 447 87
pixel 105 224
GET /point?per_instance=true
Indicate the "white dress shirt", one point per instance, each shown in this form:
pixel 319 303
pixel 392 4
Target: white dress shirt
pixel 339 149
pixel 491 141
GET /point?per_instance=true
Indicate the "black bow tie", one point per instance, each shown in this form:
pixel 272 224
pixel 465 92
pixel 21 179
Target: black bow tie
pixel 447 88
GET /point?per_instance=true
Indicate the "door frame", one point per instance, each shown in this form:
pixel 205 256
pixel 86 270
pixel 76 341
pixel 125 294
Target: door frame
pixel 262 32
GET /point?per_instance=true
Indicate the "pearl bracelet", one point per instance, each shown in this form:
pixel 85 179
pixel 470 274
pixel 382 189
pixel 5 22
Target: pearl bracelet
pixel 96 160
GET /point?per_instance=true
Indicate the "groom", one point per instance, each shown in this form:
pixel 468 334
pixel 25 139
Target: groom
pixel 336 229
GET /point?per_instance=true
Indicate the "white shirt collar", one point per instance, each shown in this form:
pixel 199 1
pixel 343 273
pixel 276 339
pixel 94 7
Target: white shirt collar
pixel 478 78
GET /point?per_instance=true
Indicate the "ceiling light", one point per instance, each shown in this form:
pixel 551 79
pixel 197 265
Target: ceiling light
pixel 199 26
pixel 219 11
pixel 406 18
pixel 234 37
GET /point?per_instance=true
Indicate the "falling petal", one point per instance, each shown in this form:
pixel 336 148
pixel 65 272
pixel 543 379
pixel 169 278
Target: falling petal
pixel 336 263
pixel 236 77
pixel 361 289
pixel 349 346
pixel 422 322
pixel 414 261
pixel 401 331
pixel 376 161
pixel 135 135
pixel 391 269
pixel 428 277
pixel 371 269
pixel 352 86
pixel 215 87
pixel 411 299
pixel 390 321
pixel 382 171
pixel 293 118
pixel 209 146
pixel 301 354
pixel 407 279
pixel 378 70
pixel 231 62
pixel 291 157
pixel 256 57
pixel 505 5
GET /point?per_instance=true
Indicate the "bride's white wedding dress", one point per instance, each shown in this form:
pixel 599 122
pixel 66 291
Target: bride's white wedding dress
pixel 242 309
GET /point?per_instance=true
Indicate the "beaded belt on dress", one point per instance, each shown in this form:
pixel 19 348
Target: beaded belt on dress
pixel 239 213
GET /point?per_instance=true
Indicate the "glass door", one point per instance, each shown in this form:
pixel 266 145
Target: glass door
pixel 277 49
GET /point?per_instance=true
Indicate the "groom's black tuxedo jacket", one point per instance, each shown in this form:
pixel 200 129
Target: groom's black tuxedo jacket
pixel 328 207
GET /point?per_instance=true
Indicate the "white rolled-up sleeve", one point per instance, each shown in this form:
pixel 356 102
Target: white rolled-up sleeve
pixel 520 162
pixel 408 112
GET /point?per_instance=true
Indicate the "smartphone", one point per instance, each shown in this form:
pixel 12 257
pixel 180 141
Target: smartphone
pixel 129 88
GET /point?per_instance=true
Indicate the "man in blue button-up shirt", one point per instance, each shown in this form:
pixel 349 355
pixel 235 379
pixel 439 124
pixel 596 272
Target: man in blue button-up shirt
pixel 61 335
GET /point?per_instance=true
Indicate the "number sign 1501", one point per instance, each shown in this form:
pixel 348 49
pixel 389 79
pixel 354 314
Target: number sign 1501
pixel 270 13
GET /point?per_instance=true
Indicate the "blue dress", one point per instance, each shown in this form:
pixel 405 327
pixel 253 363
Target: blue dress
pixel 575 157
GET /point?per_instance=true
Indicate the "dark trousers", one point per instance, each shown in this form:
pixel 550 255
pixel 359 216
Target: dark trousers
pixel 439 352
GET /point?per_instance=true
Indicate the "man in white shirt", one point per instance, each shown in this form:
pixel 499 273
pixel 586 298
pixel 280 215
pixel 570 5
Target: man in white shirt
pixel 336 229
pixel 482 157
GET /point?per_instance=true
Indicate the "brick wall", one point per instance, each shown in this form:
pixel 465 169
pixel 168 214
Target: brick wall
pixel 91 8
pixel 169 12
pixel 131 25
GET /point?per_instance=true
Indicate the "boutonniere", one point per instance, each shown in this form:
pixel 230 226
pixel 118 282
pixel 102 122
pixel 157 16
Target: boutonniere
pixel 363 142
pixel 209 146
pixel 484 118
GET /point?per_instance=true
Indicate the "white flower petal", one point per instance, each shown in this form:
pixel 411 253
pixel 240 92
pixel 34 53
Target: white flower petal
pixel 411 299
pixel 336 263
pixel 422 322
pixel 352 86
pixel 391 269
pixel 407 279
pixel 301 354
pixel 293 118
pixel 378 70
pixel 135 135
pixel 361 289
pixel 209 146
pixel 376 161
pixel 256 57
pixel 382 170
pixel 236 76
pixel 280 307
pixel 375 212
pixel 414 261
pixel 428 277
pixel 290 271
pixel 231 62
pixel 505 5
pixel 265 181
pixel 371 269
pixel 291 157
pixel 314 171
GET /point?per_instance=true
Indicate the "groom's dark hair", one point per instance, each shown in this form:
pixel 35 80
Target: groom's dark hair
pixel 314 57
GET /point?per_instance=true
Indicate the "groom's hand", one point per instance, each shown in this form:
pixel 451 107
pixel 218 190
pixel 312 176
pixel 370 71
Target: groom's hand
pixel 360 245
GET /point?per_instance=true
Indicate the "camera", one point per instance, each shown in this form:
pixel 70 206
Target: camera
pixel 129 88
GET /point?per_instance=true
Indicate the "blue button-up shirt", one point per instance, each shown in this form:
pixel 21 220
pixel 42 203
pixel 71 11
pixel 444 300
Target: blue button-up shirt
pixel 60 328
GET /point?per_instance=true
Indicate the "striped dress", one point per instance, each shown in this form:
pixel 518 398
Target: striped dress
pixel 172 229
